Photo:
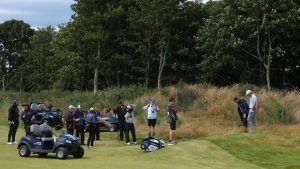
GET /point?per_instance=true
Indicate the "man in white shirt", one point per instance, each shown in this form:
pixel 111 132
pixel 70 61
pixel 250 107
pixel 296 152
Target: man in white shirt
pixel 151 109
pixel 252 110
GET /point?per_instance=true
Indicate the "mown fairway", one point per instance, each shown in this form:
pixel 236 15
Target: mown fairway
pixel 229 151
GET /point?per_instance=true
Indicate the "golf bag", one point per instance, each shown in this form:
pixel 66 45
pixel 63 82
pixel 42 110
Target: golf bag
pixel 151 144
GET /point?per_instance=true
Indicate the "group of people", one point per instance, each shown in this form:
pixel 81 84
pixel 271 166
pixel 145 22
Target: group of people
pixel 247 111
pixel 80 121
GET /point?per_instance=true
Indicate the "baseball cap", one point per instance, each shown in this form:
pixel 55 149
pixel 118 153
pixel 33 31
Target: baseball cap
pixel 71 107
pixel 247 92
pixel 152 100
pixel 92 109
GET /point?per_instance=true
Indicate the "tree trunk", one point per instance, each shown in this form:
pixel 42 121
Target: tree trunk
pixel 162 60
pixel 96 79
pixel 21 82
pixel 3 83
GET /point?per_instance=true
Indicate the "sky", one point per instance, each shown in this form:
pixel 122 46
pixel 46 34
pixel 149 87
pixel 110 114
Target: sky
pixel 37 13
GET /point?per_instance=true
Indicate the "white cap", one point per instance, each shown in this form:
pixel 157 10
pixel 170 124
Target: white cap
pixel 71 107
pixel 79 106
pixel 247 92
pixel 129 107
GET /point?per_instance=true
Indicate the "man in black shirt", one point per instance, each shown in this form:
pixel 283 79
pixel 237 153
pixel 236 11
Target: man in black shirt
pixel 120 111
pixel 13 120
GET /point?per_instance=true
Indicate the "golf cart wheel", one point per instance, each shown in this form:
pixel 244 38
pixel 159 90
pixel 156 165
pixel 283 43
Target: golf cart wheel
pixel 24 151
pixel 43 154
pixel 62 153
pixel 79 153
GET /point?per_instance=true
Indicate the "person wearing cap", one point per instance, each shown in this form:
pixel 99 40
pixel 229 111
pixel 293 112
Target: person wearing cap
pixel 243 109
pixel 26 116
pixel 80 123
pixel 151 109
pixel 120 112
pixel 172 117
pixel 13 120
pixel 129 125
pixel 70 120
pixel 252 110
pixel 91 120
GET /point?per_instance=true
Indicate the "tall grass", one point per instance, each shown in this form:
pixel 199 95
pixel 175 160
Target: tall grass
pixel 203 109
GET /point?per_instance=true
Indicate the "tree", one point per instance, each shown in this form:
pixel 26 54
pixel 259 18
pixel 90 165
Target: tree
pixel 14 47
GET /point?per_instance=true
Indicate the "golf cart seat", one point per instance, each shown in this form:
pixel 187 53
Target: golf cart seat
pixel 46 132
pixel 35 130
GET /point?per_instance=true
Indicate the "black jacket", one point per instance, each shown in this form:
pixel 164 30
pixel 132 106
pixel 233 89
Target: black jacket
pixel 120 111
pixel 13 113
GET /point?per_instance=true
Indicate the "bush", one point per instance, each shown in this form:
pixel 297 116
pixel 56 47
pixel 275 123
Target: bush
pixel 185 98
pixel 278 114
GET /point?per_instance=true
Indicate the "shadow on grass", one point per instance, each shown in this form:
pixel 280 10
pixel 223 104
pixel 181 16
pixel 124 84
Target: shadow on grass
pixel 52 156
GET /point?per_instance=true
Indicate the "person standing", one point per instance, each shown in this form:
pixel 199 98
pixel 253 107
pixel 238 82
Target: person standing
pixel 91 120
pixel 120 112
pixel 151 109
pixel 172 117
pixel 129 125
pixel 97 126
pixel 252 110
pixel 70 120
pixel 13 120
pixel 26 116
pixel 243 109
pixel 80 123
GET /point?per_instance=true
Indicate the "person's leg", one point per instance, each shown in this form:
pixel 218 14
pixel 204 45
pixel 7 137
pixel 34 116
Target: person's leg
pixel 15 128
pixel 127 132
pixel 10 131
pixel 153 129
pixel 77 131
pixel 82 136
pixel 254 120
pixel 122 131
pixel 93 129
pixel 133 133
pixel 250 121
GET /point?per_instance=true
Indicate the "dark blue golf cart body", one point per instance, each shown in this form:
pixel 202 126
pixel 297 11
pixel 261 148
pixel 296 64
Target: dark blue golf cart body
pixel 42 143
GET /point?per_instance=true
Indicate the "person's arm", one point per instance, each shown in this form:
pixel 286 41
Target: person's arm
pixel 10 114
pixel 145 108
pixel 157 109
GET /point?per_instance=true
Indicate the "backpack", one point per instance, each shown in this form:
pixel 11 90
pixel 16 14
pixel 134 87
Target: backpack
pixel 151 144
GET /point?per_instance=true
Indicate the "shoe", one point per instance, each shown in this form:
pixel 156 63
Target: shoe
pixel 128 143
pixel 134 142
pixel 9 143
pixel 171 143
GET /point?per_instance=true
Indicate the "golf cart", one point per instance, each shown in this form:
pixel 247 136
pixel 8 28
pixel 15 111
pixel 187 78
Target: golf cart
pixel 42 141
pixel 109 123
pixel 51 116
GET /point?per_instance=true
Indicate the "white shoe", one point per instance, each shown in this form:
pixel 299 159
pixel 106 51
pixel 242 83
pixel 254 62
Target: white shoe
pixel 134 142
pixel 128 143
pixel 9 143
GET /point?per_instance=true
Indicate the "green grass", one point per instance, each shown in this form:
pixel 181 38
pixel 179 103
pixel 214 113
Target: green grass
pixel 111 154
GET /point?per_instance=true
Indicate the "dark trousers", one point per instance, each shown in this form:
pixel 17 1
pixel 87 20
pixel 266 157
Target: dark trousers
pixel 130 127
pixel 91 138
pixel 97 131
pixel 70 131
pixel 12 132
pixel 80 131
pixel 27 129
pixel 121 128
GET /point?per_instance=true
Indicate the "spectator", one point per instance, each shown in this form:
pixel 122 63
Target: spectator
pixel 13 120
pixel 151 109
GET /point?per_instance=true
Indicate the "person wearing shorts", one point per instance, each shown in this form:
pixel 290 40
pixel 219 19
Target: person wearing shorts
pixel 172 117
pixel 151 109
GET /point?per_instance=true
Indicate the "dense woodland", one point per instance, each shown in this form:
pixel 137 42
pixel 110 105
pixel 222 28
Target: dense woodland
pixel 156 43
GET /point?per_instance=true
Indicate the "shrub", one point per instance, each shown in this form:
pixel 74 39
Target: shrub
pixel 278 114
pixel 185 98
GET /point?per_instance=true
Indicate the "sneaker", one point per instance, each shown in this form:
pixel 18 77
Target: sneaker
pixel 134 142
pixel 9 143
pixel 171 143
pixel 128 143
